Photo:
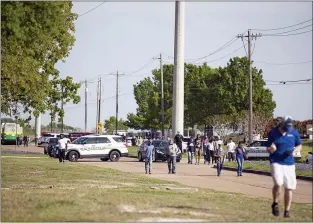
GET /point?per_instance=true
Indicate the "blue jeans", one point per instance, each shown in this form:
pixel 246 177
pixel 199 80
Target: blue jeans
pixel 240 161
pixel 219 167
pixel 206 154
pixel 190 156
pixel 148 164
pixel 171 161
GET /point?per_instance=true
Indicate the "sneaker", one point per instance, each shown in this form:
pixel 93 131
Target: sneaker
pixel 149 172
pixel 275 209
pixel 286 214
pixel 174 173
pixel 146 172
pixel 169 172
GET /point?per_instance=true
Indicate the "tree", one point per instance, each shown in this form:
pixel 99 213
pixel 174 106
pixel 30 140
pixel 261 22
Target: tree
pixel 110 123
pixel 35 36
pixel 209 93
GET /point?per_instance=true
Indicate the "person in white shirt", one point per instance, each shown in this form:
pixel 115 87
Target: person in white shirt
pixel 62 147
pixel 211 151
pixel 231 150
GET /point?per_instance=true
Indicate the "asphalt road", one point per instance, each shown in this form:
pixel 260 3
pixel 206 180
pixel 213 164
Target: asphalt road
pixel 202 176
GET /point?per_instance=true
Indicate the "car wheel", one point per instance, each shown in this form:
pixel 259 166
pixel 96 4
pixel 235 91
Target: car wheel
pixel 104 159
pixel 45 151
pixel 140 157
pixel 115 156
pixel 73 156
pixel 307 161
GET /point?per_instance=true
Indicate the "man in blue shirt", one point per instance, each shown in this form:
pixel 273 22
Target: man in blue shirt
pixel 283 141
pixel 149 154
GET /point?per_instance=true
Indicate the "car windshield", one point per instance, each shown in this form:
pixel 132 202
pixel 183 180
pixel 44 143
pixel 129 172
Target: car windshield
pixel 53 140
pixel 47 135
pixel 118 139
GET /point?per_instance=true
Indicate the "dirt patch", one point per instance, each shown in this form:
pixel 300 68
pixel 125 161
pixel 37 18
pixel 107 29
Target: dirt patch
pixel 71 187
pixel 151 219
pixel 132 209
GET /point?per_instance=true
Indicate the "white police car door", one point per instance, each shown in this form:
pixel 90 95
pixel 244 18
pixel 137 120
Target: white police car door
pixel 254 149
pixel 104 146
pixel 262 150
pixel 89 147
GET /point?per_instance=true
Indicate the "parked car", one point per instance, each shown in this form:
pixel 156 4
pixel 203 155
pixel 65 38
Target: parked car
pixel 257 150
pixel 52 144
pixel 309 158
pixel 43 140
pixel 159 151
pixel 129 141
pixel 105 147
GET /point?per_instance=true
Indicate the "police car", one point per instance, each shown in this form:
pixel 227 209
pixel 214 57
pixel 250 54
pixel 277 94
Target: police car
pixel 257 150
pixel 105 147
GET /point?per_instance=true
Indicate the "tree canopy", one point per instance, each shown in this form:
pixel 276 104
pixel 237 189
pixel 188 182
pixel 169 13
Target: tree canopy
pixel 210 94
pixel 35 36
pixel 110 123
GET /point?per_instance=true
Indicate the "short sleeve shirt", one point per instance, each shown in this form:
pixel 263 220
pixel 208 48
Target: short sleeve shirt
pixel 285 144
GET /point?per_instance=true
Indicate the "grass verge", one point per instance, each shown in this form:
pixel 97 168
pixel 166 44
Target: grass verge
pixel 263 167
pixel 44 190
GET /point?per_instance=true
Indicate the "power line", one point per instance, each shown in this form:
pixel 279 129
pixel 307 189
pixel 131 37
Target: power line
pixel 224 56
pixel 291 30
pixel 230 42
pixel 280 64
pixel 292 81
pixel 91 9
pixel 287 84
pixel 292 34
pixel 264 30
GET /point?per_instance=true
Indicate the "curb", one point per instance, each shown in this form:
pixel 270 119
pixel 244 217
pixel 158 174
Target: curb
pixel 264 173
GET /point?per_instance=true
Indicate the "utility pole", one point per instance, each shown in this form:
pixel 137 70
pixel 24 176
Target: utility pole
pixel 116 111
pixel 162 92
pixel 99 113
pixel 62 102
pixel 250 37
pixel 178 79
pixel 97 108
pixel 86 91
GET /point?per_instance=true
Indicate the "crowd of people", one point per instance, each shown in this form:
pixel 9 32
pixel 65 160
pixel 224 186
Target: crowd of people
pixel 283 141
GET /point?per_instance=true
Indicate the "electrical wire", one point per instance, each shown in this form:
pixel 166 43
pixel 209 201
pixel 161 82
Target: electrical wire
pixel 291 30
pixel 292 34
pixel 230 42
pixel 280 64
pixel 91 9
pixel 287 84
pixel 224 56
pixel 292 81
pixel 265 30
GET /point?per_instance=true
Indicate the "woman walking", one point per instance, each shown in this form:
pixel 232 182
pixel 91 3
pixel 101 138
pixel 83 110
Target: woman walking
pixel 240 151
pixel 191 150
pixel 198 146
pixel 220 157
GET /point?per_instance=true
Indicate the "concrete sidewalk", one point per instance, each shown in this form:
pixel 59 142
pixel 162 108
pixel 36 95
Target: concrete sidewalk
pixel 204 176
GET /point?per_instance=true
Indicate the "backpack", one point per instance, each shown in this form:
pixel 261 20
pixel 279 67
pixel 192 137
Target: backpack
pixel 171 150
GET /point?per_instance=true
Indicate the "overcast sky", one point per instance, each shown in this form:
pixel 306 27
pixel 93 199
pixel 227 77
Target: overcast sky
pixel 125 36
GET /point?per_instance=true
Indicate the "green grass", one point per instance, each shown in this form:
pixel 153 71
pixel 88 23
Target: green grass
pixel 261 166
pixel 44 190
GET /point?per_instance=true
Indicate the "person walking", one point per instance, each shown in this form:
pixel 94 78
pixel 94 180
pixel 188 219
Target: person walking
pixel 18 140
pixel 220 157
pixel 191 150
pixel 178 140
pixel 62 147
pixel 149 157
pixel 205 146
pixel 198 146
pixel 171 152
pixel 240 151
pixel 215 148
pixel 25 141
pixel 283 141
pixel 211 151
pixel 231 150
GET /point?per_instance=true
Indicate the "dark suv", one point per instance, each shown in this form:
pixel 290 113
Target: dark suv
pixel 159 151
